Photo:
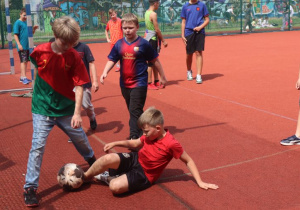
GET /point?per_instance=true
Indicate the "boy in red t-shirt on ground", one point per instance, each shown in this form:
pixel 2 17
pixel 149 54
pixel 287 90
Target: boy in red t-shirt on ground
pixel 137 171
pixel 114 27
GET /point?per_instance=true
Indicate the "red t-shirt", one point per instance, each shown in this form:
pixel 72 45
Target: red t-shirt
pixel 115 30
pixel 155 155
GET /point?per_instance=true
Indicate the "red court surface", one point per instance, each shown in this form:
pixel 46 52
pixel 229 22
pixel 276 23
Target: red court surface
pixel 230 125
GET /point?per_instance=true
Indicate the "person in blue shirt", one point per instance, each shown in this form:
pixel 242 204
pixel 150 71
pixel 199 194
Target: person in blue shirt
pixel 194 15
pixel 133 52
pixel 21 38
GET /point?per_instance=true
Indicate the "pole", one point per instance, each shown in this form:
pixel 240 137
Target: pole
pixel 9 38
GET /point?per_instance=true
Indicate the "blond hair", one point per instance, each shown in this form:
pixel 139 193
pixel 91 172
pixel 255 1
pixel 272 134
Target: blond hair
pixel 129 17
pixel 66 29
pixel 151 117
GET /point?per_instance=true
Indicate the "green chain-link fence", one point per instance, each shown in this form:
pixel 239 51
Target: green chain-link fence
pixel 226 16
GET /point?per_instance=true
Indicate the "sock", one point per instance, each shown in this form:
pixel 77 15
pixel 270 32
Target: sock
pixel 155 81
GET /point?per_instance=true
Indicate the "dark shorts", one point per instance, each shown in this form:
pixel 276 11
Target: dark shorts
pixel 154 45
pixel 195 42
pixel 24 56
pixel 130 166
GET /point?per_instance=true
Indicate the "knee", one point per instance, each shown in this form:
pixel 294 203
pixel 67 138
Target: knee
pixel 104 160
pixel 116 187
pixel 198 53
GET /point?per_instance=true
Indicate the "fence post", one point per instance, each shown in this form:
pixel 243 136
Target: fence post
pixel 289 19
pixel 241 16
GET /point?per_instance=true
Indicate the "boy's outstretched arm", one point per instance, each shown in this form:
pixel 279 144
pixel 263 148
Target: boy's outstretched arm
pixel 195 173
pixel 159 68
pixel 109 65
pixel 135 143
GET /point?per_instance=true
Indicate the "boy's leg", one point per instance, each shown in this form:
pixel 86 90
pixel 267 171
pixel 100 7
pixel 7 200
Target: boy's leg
pixel 199 61
pixel 135 99
pixel 298 125
pixel 88 107
pixel 23 67
pixel 189 60
pixel 149 74
pixel 78 137
pixel 42 125
pixel 102 164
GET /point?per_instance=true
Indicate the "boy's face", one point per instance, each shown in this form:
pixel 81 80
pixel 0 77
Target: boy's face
pixel 152 133
pixel 23 16
pixel 113 15
pixel 156 5
pixel 62 45
pixel 129 29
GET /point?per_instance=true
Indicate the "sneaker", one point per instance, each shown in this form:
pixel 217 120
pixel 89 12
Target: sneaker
pixel 198 79
pixel 292 140
pixel 189 75
pixel 70 140
pixel 103 177
pixel 151 86
pixel 91 160
pixel 158 85
pixel 30 197
pixel 244 31
pixel 93 124
pixel 25 81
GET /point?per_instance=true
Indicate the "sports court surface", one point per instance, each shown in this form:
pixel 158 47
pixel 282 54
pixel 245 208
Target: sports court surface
pixel 230 125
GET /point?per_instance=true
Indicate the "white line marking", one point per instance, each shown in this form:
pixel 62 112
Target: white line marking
pixel 240 104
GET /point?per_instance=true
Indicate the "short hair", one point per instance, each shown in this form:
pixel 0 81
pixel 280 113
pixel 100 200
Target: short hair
pixel 67 29
pixel 110 11
pixel 151 117
pixel 129 17
pixel 22 10
pixel 151 2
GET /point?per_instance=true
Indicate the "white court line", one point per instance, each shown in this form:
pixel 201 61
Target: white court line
pixel 237 103
pixel 235 164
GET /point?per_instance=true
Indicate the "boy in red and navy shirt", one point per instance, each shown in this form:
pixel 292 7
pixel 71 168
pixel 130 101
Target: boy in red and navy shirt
pixel 133 52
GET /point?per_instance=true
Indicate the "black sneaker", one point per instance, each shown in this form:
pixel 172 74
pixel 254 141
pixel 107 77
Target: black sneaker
pixel 30 197
pixel 91 160
pixel 292 140
pixel 93 124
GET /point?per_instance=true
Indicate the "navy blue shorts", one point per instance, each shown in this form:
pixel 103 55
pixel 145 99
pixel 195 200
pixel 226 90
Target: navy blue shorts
pixel 130 166
pixel 195 42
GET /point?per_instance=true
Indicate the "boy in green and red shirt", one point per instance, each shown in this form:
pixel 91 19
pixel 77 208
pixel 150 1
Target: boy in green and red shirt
pixel 57 98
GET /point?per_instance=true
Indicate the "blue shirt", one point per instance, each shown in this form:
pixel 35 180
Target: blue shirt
pixel 20 29
pixel 194 15
pixel 133 61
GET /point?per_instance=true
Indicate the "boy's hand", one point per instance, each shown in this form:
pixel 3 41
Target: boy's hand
pixel 197 29
pixel 35 27
pixel 207 186
pixel 102 77
pixel 165 43
pixel 108 40
pixel 76 121
pixel 183 39
pixel 95 86
pixel 20 47
pixel 107 147
pixel 298 84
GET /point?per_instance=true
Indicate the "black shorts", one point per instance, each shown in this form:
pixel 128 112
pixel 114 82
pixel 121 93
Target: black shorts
pixel 130 166
pixel 24 55
pixel 154 45
pixel 195 42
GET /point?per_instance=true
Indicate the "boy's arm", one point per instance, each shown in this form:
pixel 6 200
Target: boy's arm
pixel 107 37
pixel 195 173
pixel 159 68
pixel 203 25
pixel 109 65
pixel 298 81
pixel 135 143
pixel 95 85
pixel 182 30
pixel 76 119
pixel 153 17
pixel 18 42
pixel 34 29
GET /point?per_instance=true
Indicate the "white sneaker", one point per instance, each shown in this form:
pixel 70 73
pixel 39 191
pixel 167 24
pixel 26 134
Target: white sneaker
pixel 198 79
pixel 103 177
pixel 189 75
